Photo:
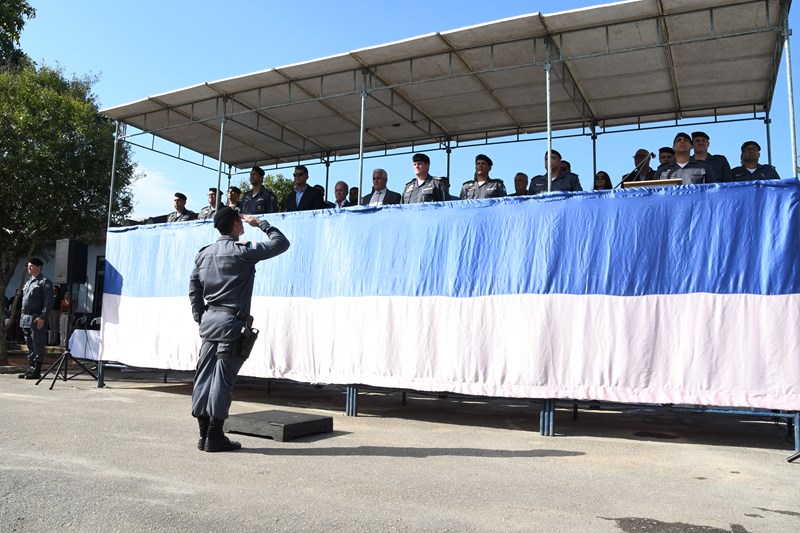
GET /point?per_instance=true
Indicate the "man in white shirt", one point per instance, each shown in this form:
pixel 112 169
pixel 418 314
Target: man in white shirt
pixel 380 195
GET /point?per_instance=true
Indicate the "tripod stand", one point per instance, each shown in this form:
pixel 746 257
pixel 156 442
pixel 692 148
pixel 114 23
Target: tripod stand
pixel 63 362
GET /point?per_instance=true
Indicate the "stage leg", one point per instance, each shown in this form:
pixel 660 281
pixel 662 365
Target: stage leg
pixel 351 401
pixel 101 374
pixel 546 418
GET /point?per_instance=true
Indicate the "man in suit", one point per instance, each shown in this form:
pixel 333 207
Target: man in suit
pixel 380 195
pixel 304 197
pixel 340 195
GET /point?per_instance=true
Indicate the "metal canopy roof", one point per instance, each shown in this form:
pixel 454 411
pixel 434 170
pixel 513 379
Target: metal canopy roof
pixel 610 65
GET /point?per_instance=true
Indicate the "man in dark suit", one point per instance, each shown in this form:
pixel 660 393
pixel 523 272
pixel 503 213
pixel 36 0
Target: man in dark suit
pixel 380 195
pixel 304 197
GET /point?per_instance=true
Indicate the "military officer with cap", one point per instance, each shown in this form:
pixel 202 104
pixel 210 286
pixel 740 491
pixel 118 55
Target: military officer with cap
pixel 181 213
pixel 424 187
pixel 209 210
pixel 718 163
pixel 750 169
pixel 37 300
pixel 234 193
pixel 482 186
pixel 220 290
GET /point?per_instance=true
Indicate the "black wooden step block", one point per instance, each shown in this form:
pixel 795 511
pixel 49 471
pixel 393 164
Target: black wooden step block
pixel 278 425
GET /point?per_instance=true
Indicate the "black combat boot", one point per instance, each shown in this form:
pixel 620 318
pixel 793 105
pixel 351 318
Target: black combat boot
pixel 202 421
pixel 36 372
pixel 25 374
pixel 216 441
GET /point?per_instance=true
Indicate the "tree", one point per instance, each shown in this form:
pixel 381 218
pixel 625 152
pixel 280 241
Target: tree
pixel 277 184
pixel 281 186
pixel 12 19
pixel 57 151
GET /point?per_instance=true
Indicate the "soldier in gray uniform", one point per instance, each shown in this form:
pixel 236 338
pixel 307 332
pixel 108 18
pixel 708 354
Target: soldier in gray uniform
pixel 482 186
pixel 209 210
pixel 181 213
pixel 685 167
pixel 220 290
pixel 37 300
pixel 424 187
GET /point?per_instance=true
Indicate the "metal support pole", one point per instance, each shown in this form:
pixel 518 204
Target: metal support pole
pixel 361 137
pixel 351 401
pixel 113 175
pixel 792 131
pixel 327 174
pixel 547 67
pixel 767 122
pixel 448 150
pixel 221 143
pixel 594 155
pixel 546 418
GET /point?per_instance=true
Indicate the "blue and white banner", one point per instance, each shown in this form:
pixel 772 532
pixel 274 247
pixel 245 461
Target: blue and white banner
pixel 670 295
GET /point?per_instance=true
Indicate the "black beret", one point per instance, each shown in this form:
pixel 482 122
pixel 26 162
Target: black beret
pixel 751 142
pixel 682 134
pixel 483 157
pixel 666 149
pixel 214 190
pixel 553 152
pixel 180 195
pixel 235 189
pixel 36 261
pixel 421 157
pixel 222 216
pixel 700 134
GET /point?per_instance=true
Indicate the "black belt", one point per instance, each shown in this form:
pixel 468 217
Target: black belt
pixel 241 315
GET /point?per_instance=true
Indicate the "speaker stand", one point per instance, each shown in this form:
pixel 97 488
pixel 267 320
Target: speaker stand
pixel 62 364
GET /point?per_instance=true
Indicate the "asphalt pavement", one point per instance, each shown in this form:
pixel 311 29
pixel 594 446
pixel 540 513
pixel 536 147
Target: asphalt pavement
pixel 123 458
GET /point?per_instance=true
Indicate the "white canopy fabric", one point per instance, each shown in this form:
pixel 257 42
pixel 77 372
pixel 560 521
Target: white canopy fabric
pixel 611 65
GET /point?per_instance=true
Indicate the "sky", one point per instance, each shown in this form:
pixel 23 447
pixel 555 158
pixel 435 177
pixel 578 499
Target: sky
pixel 144 48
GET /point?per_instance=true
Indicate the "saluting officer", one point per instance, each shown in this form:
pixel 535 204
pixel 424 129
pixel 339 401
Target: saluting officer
pixel 37 300
pixel 220 290
pixel 424 187
pixel 482 186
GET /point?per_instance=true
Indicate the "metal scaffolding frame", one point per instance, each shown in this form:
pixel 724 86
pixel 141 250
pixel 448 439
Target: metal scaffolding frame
pixel 605 69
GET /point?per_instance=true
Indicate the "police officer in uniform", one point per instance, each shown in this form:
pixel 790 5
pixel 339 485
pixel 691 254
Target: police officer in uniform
pixel 259 200
pixel 750 168
pixel 37 301
pixel 424 187
pixel 482 186
pixel 209 210
pixel 220 290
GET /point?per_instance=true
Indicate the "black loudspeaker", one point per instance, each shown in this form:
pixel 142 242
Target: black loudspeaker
pixel 71 258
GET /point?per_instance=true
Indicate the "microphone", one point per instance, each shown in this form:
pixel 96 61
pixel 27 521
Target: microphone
pixel 636 170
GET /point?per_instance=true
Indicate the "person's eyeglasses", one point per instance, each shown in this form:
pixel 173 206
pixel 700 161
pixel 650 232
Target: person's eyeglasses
pixel 298 174
pixel 751 149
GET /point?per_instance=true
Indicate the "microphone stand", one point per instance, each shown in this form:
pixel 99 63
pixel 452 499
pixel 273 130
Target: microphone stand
pixel 638 168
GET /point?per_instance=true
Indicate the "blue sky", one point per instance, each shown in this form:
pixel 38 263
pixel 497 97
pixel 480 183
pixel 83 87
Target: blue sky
pixel 143 48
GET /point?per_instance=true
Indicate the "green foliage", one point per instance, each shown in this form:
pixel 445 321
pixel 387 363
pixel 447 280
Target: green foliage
pixel 57 151
pixel 12 19
pixel 281 186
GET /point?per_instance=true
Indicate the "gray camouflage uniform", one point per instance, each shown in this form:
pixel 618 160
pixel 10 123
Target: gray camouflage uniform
pixel 37 300
pixel 223 276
